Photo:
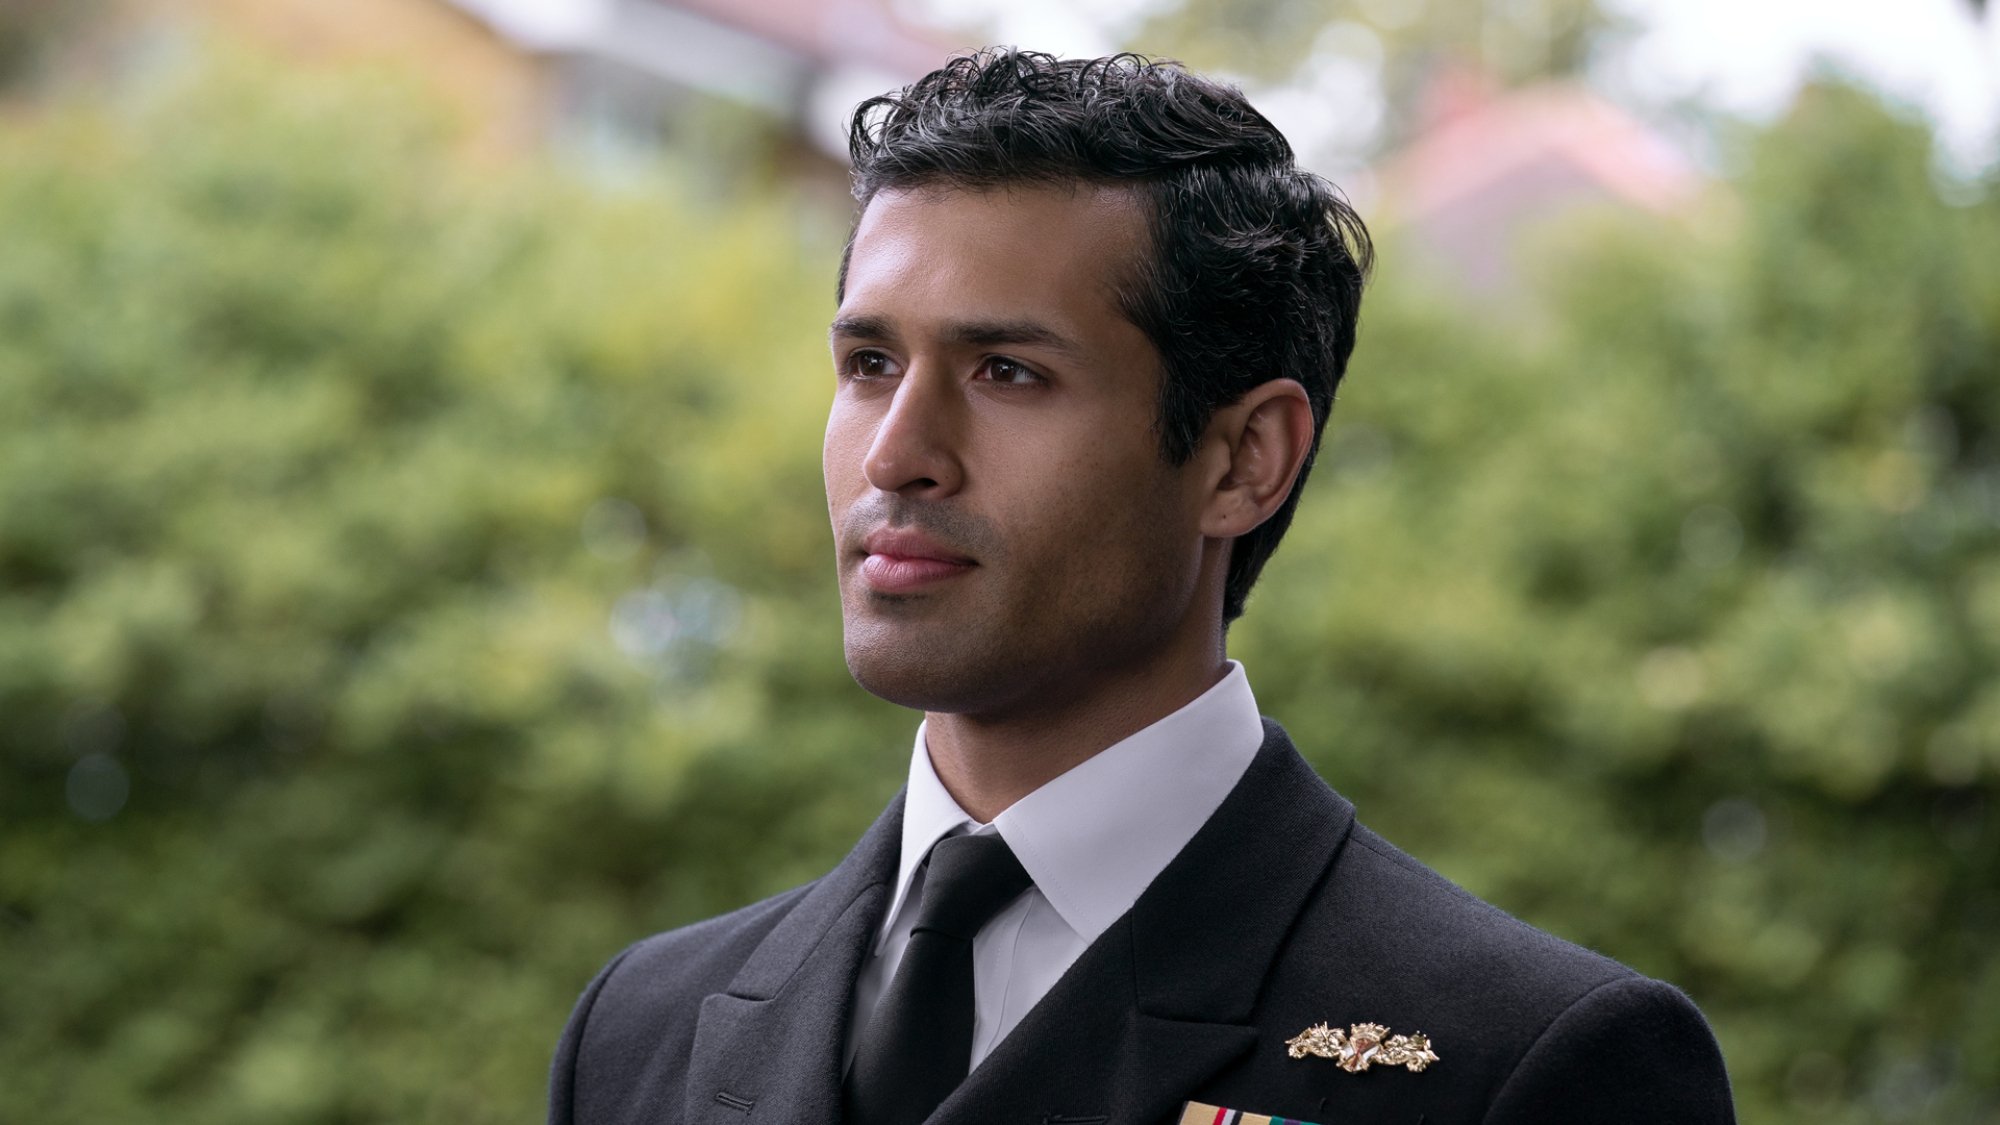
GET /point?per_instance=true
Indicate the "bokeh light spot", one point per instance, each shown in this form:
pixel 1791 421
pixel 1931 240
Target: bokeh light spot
pixel 1734 830
pixel 97 788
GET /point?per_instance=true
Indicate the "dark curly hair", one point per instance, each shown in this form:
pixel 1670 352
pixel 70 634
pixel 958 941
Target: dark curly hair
pixel 1257 265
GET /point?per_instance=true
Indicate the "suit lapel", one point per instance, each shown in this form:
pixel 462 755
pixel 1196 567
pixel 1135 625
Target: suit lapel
pixel 772 1042
pixel 1162 1001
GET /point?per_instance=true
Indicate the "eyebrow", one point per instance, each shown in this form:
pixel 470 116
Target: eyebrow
pixel 970 333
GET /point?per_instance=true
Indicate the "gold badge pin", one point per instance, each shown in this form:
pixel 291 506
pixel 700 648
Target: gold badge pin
pixel 1363 1045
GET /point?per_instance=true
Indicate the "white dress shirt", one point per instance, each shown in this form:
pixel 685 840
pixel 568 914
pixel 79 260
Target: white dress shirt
pixel 1092 840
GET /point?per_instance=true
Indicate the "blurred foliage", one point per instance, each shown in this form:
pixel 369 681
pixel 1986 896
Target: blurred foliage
pixel 1515 40
pixel 1402 47
pixel 1666 610
pixel 413 591
pixel 414 586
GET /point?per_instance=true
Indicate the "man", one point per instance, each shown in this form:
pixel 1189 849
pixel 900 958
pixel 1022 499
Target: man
pixel 1091 319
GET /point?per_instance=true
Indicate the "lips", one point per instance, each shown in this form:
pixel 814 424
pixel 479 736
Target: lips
pixel 902 561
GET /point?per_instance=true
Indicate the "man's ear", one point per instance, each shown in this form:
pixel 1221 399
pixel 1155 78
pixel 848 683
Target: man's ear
pixel 1253 449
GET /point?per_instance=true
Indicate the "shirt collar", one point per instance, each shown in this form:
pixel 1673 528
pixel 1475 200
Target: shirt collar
pixel 1094 838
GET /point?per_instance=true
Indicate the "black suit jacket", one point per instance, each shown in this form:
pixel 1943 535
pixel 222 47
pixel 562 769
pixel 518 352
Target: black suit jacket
pixel 1280 913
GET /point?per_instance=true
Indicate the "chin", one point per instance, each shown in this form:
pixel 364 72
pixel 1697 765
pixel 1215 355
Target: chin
pixel 945 675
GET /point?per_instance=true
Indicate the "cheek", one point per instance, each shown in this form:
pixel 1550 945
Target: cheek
pixel 1118 506
pixel 842 450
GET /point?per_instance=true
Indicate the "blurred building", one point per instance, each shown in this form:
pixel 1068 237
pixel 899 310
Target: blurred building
pixel 622 72
pixel 598 76
pixel 1487 167
pixel 764 86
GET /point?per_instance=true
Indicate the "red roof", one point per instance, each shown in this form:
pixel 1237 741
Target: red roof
pixel 1478 139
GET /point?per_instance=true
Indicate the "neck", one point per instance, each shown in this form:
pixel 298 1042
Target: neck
pixel 987 763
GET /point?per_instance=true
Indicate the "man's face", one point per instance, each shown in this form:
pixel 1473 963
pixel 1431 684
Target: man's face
pixel 1009 536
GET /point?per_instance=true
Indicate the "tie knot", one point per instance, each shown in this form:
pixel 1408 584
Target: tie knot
pixel 969 879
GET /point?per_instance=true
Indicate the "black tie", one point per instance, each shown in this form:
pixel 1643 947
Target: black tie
pixel 918 1046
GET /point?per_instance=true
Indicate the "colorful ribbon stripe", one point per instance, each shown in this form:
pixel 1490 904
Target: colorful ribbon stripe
pixel 1198 1114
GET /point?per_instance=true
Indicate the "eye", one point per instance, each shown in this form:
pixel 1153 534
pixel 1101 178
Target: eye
pixel 1000 369
pixel 867 364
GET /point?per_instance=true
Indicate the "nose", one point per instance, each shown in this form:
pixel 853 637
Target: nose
pixel 915 451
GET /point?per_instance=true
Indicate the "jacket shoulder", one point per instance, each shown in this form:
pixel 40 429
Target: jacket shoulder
pixel 646 1000
pixel 1633 1050
pixel 1444 934
pixel 704 956
pixel 1526 1024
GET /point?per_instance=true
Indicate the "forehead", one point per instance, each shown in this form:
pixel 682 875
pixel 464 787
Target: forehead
pixel 1018 249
